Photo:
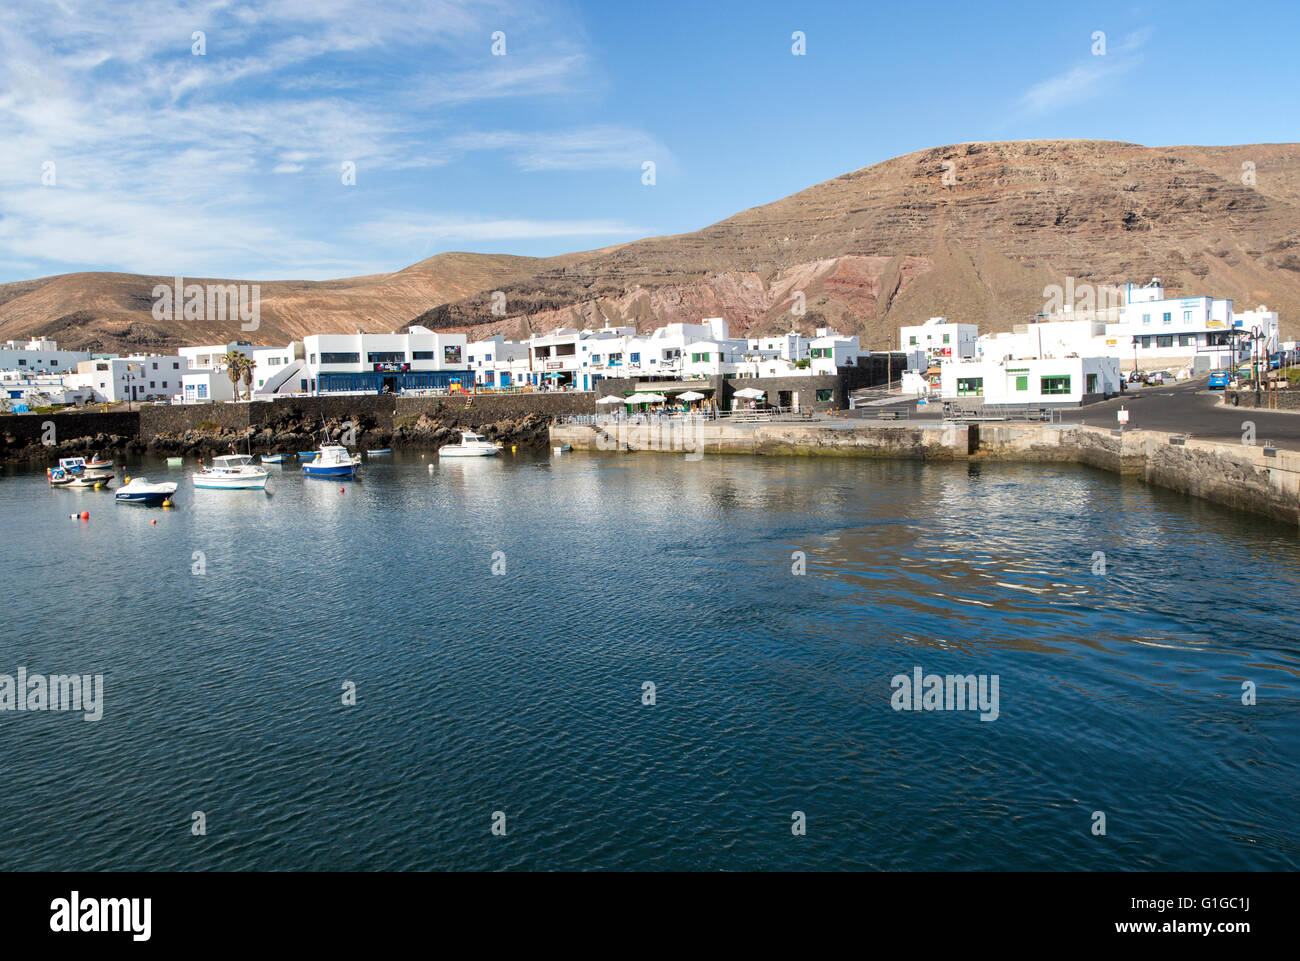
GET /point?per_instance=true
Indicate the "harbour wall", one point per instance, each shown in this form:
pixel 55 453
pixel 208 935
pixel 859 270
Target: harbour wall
pixel 1257 479
pixel 415 421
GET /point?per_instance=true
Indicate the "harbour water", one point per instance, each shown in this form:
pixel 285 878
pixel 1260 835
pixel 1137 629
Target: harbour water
pixel 500 618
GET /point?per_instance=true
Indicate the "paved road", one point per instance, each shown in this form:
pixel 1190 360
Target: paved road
pixel 1185 408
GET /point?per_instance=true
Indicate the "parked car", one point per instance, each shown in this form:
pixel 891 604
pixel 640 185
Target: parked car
pixel 1218 380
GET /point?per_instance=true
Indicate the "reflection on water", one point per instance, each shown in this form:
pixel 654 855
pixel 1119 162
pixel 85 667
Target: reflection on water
pixel 1120 691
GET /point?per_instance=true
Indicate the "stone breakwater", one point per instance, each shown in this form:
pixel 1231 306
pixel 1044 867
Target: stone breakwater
pixel 291 424
pixel 1257 479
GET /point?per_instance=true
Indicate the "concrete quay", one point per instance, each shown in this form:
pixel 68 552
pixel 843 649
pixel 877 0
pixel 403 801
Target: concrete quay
pixel 1261 480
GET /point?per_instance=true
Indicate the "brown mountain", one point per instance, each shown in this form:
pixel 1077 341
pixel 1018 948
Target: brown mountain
pixel 972 231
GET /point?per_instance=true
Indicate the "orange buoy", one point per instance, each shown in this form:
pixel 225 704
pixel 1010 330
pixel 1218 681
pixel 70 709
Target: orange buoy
pixel 85 515
pixel 154 522
pixel 340 490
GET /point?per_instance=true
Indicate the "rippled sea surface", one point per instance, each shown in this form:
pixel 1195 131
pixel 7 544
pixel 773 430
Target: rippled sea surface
pixel 522 692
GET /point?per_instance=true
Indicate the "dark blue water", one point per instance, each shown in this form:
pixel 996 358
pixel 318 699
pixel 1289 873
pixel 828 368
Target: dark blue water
pixel 521 693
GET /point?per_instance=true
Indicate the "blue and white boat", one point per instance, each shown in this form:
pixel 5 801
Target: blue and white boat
pixel 332 461
pixel 140 491
pixel 232 472
pixel 307 454
pixel 272 458
pixel 378 451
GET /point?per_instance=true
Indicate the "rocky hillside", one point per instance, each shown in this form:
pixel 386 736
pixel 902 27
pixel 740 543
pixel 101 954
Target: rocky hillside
pixel 973 231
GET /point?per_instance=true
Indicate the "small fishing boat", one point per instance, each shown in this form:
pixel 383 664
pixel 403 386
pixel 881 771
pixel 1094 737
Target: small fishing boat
pixel 175 461
pixel 140 491
pixel 272 458
pixel 73 472
pixel 232 472
pixel 471 445
pixel 307 454
pixel 378 451
pixel 332 461
pixel 98 463
pixel 562 449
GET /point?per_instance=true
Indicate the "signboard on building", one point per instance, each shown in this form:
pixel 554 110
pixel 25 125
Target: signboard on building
pixel 451 353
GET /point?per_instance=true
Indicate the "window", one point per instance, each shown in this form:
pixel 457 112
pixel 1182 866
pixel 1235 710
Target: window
pixel 340 358
pixel 386 357
pixel 911 341
pixel 635 358
pixel 1146 318
pixel 595 358
pixel 825 394
pixel 1186 340
pixel 152 385
pixel 1166 340
pixel 176 365
pixel 488 358
pixel 22 362
pixel 945 338
pixel 155 367
pixel 313 358
pixel 1187 316
pixel 203 391
pixel 421 355
pixel 1022 382
pixel 1167 317
pixel 970 386
pixel 1056 385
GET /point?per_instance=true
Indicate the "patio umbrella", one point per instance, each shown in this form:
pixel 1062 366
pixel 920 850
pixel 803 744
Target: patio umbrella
pixel 611 399
pixel 751 393
pixel 636 399
pixel 653 398
pixel 691 395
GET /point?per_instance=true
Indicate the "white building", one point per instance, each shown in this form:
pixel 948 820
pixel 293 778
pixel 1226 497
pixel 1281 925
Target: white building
pixel 830 350
pixel 497 362
pixel 1148 330
pixel 42 357
pixel 937 340
pixel 1056 380
pixel 791 346
pixel 151 377
pixel 385 363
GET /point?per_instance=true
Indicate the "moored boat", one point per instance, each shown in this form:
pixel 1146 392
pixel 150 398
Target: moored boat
pixel 73 472
pixel 272 458
pixel 232 472
pixel 139 490
pixel 99 463
pixel 378 451
pixel 332 461
pixel 471 445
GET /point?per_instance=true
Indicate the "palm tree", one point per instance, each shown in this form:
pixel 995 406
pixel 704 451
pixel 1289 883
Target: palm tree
pixel 247 371
pixel 234 361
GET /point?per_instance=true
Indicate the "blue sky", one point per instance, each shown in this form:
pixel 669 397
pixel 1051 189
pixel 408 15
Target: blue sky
pixel 230 164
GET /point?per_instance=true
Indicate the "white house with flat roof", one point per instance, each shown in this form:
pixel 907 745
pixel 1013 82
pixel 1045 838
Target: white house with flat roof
pixel 149 377
pixel 41 356
pixel 1056 380
pixel 937 340
pixel 420 359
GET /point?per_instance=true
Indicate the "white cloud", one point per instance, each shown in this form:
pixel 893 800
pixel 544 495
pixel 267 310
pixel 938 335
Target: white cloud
pixel 223 163
pixel 1086 79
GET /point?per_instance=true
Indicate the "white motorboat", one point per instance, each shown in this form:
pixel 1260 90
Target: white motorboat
pixel 471 445
pixel 138 490
pixel 232 472
pixel 332 461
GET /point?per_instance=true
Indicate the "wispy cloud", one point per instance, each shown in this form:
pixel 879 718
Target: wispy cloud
pixel 1086 79
pixel 473 230
pixel 163 159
